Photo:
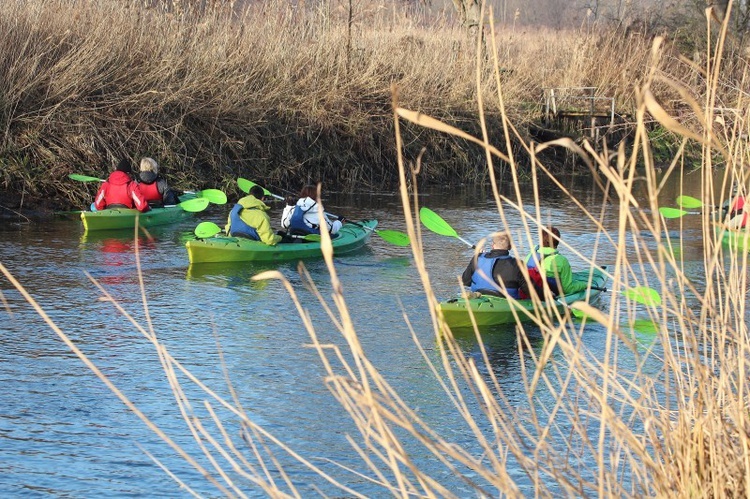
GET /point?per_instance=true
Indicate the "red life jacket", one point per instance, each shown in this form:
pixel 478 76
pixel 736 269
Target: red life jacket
pixel 150 191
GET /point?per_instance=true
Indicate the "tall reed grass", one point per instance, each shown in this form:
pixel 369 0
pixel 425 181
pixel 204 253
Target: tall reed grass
pixel 609 430
pixel 277 92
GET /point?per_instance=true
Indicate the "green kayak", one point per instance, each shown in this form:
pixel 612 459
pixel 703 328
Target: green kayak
pixel 491 310
pixel 733 238
pixel 235 249
pixel 124 218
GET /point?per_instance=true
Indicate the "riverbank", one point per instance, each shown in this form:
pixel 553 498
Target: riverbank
pixel 278 95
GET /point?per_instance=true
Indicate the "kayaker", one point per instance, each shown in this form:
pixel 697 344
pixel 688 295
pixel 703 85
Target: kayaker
pixel 120 190
pixel 496 272
pixel 153 186
pixel 249 218
pixel 736 217
pixel 555 271
pixel 303 218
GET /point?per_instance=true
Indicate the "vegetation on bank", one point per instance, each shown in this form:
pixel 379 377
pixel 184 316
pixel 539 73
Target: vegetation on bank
pixel 278 93
pixel 673 423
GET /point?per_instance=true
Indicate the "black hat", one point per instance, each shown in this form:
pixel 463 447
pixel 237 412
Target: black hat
pixel 124 166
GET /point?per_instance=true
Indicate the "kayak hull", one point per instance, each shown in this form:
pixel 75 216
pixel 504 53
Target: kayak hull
pixel 493 310
pixel 736 239
pixel 235 249
pixel 124 218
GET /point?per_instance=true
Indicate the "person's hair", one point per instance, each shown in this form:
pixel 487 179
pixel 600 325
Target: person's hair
pixel 149 165
pixel 551 236
pixel 308 191
pixel 124 165
pixel 501 240
pixel 257 191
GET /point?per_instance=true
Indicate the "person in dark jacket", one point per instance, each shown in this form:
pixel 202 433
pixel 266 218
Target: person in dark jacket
pixel 120 190
pixel 496 272
pixel 153 186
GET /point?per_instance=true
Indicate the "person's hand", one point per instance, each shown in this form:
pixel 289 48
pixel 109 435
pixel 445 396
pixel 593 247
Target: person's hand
pixel 343 220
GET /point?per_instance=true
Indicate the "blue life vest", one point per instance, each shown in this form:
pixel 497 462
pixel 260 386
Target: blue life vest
pixel 482 280
pixel 536 275
pixel 238 227
pixel 297 223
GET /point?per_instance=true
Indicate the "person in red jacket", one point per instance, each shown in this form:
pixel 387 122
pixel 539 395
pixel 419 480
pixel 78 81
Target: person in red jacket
pixel 120 190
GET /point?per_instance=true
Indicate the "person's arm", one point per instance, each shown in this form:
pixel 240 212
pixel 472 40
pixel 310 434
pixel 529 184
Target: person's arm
pixel 523 285
pixel 468 273
pixel 140 201
pixel 265 232
pixel 100 199
pixel 564 274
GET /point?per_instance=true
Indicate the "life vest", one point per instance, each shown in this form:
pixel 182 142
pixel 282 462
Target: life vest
pixel 297 224
pixel 535 275
pixel 482 279
pixel 151 192
pixel 238 227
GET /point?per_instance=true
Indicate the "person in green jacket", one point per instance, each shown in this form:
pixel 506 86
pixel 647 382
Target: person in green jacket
pixel 547 267
pixel 249 218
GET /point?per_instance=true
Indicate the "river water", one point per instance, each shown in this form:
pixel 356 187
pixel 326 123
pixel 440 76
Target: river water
pixel 63 433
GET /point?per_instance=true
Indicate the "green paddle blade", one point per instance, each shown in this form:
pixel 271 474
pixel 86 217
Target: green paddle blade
pixel 206 229
pixel 194 205
pixel 245 185
pixel 215 196
pixel 435 223
pixel 672 212
pixel 644 295
pixel 84 178
pixel 689 202
pixel 394 237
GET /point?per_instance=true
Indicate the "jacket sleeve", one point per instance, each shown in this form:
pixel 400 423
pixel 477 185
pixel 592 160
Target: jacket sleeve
pixel 100 199
pixel 138 199
pixel 286 216
pixel 561 268
pixel 265 232
pixel 468 273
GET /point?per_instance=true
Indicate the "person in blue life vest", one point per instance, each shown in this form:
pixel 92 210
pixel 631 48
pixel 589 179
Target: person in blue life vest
pixel 153 186
pixel 303 217
pixel 496 272
pixel 120 190
pixel 249 218
pixel 548 268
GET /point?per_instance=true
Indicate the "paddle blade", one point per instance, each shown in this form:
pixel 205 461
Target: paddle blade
pixel 194 205
pixel 206 229
pixel 689 202
pixel 84 178
pixel 215 196
pixel 435 223
pixel 644 295
pixel 245 185
pixel 312 237
pixel 672 212
pixel 394 237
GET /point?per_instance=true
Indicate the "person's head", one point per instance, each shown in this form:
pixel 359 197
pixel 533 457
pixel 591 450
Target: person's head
pixel 308 191
pixel 124 166
pixel 501 240
pixel 551 237
pixel 149 165
pixel 257 192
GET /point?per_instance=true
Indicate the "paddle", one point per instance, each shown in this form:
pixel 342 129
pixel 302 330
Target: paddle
pixel 213 195
pixel 194 205
pixel 245 185
pixel 640 294
pixel 689 202
pixel 84 178
pixel 436 224
pixel 390 236
pixel 209 229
